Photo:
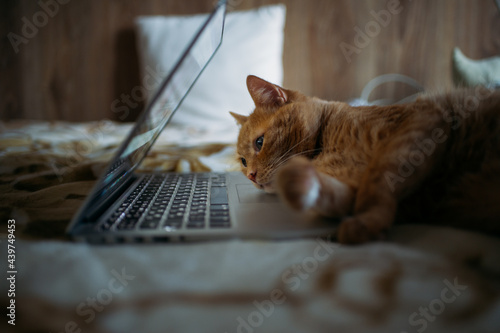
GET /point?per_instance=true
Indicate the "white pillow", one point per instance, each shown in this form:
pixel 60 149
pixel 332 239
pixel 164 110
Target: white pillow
pixel 252 44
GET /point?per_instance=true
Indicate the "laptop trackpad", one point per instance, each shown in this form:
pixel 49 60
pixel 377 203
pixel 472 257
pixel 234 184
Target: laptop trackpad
pixel 247 193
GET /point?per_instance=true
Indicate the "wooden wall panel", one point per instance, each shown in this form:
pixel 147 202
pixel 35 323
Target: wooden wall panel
pixel 84 57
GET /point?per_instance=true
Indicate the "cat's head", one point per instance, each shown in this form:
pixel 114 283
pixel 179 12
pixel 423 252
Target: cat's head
pixel 279 128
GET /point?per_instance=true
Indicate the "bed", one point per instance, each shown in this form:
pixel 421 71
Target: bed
pixel 421 278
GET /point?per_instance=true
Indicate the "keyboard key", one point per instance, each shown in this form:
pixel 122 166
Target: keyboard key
pixel 220 224
pixel 173 223
pixel 219 219
pixel 198 211
pixel 150 224
pixel 220 213
pixel 218 195
pixel 219 207
pixel 196 224
pixel 126 226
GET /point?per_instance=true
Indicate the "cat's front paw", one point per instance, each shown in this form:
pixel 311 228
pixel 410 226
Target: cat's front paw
pixel 354 231
pixel 298 185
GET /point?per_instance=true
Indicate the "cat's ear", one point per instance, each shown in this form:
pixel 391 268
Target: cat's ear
pixel 239 118
pixel 265 93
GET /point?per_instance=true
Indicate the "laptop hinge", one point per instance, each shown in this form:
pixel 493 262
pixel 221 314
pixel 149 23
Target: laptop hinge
pixel 91 215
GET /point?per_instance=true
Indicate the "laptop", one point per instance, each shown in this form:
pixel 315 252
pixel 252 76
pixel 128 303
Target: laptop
pixel 128 206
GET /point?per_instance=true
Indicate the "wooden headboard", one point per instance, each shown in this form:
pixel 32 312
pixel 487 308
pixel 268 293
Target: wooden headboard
pixel 70 59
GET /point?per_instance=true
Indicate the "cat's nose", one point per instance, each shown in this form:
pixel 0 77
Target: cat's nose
pixel 251 175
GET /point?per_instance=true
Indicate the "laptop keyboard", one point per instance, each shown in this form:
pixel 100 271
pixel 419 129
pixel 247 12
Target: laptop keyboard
pixel 174 201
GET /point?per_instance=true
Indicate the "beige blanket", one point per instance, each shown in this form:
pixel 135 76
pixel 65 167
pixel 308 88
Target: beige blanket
pixel 423 279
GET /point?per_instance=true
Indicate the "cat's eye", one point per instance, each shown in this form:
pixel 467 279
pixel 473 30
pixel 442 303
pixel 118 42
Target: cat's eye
pixel 244 162
pixel 259 142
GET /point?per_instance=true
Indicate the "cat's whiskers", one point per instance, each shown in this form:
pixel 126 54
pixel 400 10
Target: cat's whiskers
pixel 297 154
pixel 278 160
pixel 283 159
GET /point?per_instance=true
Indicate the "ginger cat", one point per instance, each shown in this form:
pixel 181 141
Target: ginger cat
pixel 436 160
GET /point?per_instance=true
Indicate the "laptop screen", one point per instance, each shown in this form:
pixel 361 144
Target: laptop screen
pixel 163 104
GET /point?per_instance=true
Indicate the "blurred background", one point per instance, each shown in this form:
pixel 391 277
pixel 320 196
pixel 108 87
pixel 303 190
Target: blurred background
pixel 80 60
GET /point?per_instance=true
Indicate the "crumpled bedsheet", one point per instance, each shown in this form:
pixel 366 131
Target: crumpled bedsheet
pixel 421 279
